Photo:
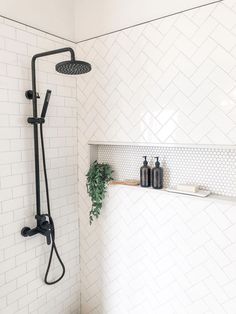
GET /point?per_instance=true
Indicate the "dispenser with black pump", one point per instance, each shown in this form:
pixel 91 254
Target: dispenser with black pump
pixel 157 175
pixel 145 174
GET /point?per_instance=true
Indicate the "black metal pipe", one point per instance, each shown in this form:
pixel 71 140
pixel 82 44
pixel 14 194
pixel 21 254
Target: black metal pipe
pixel 35 115
pixel 36 144
pixel 54 52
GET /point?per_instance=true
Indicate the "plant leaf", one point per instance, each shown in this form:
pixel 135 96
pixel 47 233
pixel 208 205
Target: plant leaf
pixel 98 177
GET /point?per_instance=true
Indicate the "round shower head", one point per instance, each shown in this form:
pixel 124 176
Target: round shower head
pixel 73 67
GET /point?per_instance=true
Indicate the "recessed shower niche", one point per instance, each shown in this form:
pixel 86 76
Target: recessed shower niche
pixel 211 167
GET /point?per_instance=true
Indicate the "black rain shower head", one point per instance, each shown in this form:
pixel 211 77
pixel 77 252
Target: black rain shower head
pixel 73 67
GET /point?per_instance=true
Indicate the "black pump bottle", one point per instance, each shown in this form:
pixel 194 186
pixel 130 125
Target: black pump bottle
pixel 145 174
pixel 157 175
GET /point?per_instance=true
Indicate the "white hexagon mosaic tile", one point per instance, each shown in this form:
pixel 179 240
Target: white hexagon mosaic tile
pixel 212 169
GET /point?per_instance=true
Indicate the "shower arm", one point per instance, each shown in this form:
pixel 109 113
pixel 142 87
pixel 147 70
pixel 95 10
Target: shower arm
pixel 35 120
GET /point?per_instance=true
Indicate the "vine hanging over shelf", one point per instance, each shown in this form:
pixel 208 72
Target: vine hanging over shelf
pixel 98 177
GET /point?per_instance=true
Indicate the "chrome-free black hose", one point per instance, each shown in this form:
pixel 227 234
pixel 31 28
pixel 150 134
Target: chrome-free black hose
pixel 53 245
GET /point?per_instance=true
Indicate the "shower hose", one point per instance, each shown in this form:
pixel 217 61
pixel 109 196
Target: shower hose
pixel 53 245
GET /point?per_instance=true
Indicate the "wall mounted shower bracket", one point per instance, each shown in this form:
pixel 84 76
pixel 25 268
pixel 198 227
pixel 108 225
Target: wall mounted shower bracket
pixel 33 120
pixel 29 94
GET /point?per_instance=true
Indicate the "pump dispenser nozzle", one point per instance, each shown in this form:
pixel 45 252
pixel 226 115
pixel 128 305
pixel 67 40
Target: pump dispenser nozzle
pixel 145 174
pixel 157 163
pixel 145 161
pixel 157 175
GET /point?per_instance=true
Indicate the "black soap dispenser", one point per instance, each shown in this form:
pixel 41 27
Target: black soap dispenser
pixel 145 174
pixel 157 175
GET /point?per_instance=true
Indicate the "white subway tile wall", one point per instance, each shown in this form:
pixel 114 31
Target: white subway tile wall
pixel 23 261
pixel 170 81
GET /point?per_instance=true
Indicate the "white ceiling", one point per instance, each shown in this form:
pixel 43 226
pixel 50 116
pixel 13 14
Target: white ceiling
pixel 82 19
pixel 96 17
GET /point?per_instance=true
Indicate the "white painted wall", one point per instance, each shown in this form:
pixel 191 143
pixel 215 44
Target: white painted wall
pixel 93 18
pixel 54 16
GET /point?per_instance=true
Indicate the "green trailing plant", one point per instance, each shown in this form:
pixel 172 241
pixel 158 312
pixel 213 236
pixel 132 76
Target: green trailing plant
pixel 98 177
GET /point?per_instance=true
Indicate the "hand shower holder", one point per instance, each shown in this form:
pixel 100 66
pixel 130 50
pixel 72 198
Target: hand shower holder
pixel 32 120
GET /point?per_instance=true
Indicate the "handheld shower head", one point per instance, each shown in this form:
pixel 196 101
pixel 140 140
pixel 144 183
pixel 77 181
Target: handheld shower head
pixel 73 67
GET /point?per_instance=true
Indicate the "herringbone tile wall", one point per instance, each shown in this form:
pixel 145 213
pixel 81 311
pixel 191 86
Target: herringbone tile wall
pixel 169 81
pixel 157 253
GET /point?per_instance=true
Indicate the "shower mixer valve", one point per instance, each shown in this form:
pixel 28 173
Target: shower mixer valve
pixel 44 227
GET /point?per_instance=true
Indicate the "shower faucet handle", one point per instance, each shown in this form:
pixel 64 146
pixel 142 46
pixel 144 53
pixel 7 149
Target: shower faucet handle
pixel 48 237
pixel 44 227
